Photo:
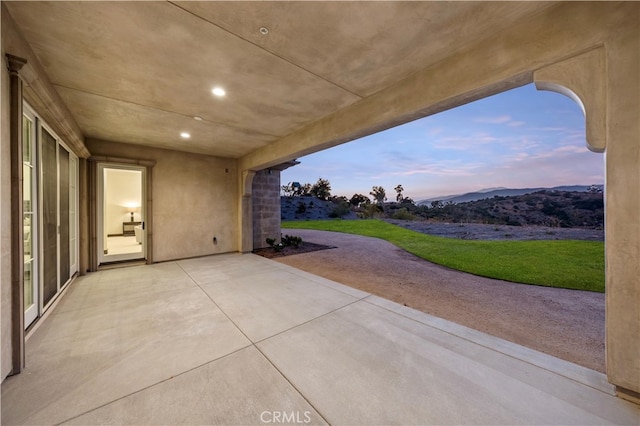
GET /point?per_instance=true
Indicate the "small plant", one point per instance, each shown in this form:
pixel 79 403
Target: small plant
pixel 272 243
pixel 291 240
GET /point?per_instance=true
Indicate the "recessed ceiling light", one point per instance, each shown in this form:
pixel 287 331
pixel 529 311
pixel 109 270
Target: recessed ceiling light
pixel 197 118
pixel 264 30
pixel 218 91
pixel 185 135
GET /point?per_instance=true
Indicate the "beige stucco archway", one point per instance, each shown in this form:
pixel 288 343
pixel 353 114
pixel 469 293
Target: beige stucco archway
pixel 585 79
pixel 599 69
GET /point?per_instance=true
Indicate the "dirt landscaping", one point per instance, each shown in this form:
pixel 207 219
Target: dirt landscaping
pixel 568 324
pixel 479 231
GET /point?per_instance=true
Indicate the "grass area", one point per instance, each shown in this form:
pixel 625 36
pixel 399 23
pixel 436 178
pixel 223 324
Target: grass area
pixel 565 264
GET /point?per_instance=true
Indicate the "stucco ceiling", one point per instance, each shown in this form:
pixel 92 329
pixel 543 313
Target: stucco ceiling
pixel 139 72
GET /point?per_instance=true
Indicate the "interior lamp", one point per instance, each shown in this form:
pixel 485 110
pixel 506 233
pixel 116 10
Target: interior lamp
pixel 132 210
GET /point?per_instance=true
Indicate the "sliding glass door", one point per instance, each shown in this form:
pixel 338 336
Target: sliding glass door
pixel 50 204
pixel 59 214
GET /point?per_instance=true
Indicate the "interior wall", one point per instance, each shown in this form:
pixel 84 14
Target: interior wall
pixel 123 188
pixel 195 198
pixel 5 223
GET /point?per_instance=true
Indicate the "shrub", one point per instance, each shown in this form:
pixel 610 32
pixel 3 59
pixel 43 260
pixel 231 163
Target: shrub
pixel 272 243
pixel 291 240
pixel 593 204
pixel 341 208
pixel 371 210
pixel 403 214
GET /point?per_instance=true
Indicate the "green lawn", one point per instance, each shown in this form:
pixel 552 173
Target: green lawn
pixel 566 264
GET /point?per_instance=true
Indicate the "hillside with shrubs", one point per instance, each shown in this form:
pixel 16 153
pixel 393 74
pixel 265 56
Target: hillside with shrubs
pixel 552 208
pixel 543 208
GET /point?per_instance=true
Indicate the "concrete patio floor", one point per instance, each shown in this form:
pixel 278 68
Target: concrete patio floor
pixel 239 339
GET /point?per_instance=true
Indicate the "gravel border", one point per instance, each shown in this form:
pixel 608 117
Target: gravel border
pixel 478 231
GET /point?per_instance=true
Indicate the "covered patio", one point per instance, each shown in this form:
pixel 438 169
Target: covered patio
pixel 239 339
pixel 208 102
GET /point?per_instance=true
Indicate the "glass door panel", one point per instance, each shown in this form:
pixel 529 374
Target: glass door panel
pixel 28 221
pixel 49 217
pixel 73 214
pixel 63 179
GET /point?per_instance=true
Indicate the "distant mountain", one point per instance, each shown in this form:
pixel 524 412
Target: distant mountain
pixel 497 188
pixel 503 192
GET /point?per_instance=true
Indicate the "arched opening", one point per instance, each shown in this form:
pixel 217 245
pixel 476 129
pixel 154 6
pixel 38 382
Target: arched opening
pixel 520 139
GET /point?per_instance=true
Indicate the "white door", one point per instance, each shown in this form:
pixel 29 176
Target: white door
pixel 121 213
pixel 30 228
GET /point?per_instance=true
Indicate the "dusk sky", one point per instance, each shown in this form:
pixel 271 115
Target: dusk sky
pixel 522 138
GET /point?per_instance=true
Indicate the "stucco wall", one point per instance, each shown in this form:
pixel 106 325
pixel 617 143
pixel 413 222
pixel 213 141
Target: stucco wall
pixel 266 207
pixel 194 200
pixel 5 222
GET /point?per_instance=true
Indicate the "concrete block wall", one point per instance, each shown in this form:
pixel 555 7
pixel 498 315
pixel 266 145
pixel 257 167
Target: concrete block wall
pixel 266 207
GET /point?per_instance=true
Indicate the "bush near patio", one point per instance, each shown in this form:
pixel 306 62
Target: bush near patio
pixel 564 264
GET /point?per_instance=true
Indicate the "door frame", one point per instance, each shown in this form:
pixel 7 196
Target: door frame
pixel 33 311
pixel 101 257
pixel 92 204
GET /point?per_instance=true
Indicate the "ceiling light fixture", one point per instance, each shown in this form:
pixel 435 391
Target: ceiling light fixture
pixel 264 30
pixel 197 118
pixel 185 135
pixel 218 91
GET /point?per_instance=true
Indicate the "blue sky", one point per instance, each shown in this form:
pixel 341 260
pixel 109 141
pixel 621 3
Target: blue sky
pixel 517 139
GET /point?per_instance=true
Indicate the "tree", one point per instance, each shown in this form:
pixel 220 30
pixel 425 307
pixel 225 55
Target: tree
pixel 359 200
pixel 408 200
pixel 301 190
pixel 399 190
pixel 379 194
pixel 336 199
pixel 321 189
pixel 288 189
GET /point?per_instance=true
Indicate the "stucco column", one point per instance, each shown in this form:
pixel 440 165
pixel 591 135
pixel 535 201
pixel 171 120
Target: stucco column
pixel 14 65
pixel 623 214
pixel 604 81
